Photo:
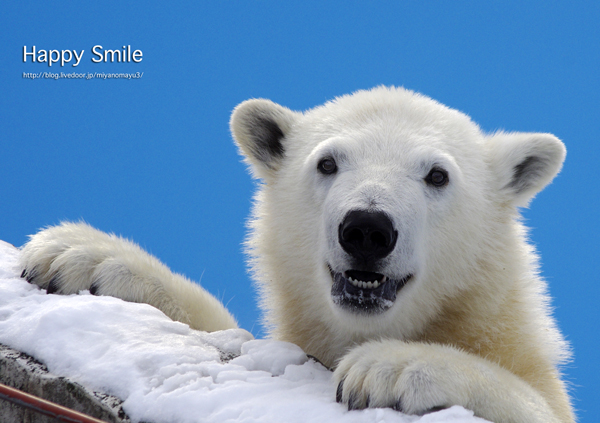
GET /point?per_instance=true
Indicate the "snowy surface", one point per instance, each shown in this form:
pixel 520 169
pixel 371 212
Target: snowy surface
pixel 167 372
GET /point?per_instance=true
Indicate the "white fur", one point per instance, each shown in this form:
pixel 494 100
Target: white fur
pixel 77 256
pixel 472 327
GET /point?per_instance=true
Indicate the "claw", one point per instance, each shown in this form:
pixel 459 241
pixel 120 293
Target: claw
pixel 339 391
pixel 353 404
pixel 29 274
pixel 53 286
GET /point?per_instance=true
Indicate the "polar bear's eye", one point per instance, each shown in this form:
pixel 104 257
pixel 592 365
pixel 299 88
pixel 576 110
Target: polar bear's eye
pixel 327 166
pixel 437 177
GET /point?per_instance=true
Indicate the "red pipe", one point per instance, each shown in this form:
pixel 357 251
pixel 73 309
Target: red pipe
pixel 42 406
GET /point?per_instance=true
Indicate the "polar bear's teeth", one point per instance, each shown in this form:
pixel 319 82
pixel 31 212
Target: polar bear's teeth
pixel 367 285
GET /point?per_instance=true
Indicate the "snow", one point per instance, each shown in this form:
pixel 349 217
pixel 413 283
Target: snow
pixel 165 371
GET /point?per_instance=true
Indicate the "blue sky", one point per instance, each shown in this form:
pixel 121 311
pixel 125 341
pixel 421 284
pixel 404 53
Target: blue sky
pixel 152 158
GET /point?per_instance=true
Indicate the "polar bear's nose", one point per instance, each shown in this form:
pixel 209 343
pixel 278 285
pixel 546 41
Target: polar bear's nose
pixel 367 236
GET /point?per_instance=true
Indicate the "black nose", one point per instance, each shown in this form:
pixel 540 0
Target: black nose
pixel 367 236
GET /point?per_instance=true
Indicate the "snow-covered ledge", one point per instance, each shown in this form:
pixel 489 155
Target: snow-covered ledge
pixel 163 371
pixel 21 371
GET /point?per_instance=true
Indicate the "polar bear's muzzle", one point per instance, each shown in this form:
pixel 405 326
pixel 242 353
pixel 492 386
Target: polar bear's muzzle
pixel 367 237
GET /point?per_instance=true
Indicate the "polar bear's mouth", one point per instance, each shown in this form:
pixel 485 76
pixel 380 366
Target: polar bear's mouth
pixel 365 292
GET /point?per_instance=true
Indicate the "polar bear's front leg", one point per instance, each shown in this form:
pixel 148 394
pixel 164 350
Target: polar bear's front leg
pixel 71 257
pixel 418 378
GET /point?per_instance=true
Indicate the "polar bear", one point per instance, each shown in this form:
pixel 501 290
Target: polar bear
pixel 386 241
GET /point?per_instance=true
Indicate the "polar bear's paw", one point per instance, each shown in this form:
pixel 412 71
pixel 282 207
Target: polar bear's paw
pixel 394 374
pixel 418 378
pixel 63 259
pixel 74 257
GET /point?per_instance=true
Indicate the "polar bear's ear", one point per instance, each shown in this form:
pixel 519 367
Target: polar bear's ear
pixel 524 163
pixel 259 128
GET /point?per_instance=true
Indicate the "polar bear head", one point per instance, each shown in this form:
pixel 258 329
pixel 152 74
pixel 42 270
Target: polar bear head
pixel 377 208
